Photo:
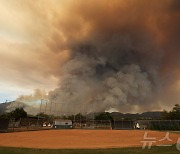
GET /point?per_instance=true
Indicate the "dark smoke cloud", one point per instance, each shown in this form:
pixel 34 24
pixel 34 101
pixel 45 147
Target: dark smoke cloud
pixel 121 54
pixel 136 36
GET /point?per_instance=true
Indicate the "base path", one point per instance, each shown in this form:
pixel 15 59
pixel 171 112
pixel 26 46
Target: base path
pixel 82 139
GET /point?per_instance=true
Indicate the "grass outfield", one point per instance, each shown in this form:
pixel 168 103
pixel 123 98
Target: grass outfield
pixel 154 150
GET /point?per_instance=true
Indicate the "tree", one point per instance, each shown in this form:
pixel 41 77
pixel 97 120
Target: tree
pixel 18 113
pixel 104 116
pixel 174 114
pixel 176 108
pixel 77 117
pixel 42 115
pixel 165 115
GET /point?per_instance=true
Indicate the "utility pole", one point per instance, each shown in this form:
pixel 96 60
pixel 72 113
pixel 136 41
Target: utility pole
pixel 39 113
pixel 50 108
pixel 45 108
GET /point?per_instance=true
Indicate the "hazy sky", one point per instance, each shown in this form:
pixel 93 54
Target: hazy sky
pixel 23 54
pixel 38 37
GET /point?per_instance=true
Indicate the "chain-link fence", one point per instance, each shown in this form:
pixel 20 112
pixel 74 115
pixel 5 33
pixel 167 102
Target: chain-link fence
pixel 173 125
pixel 123 124
pixel 28 124
pixel 92 124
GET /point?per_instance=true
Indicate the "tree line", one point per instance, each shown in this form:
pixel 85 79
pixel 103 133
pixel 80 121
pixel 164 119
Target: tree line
pixel 19 113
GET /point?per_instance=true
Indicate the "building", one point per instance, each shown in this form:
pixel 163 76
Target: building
pixel 62 124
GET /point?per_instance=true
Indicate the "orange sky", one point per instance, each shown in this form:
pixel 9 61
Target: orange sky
pixel 37 39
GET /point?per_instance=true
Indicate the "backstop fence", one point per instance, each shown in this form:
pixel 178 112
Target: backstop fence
pixel 24 124
pixel 28 124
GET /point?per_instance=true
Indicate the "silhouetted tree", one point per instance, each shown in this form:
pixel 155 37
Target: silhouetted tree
pixel 42 115
pixel 165 115
pixel 18 113
pixel 174 114
pixel 104 116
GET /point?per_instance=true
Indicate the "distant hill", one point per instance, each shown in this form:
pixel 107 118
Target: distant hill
pixel 120 116
pixel 3 107
pixel 17 104
pixel 153 115
pixel 145 115
pixel 115 115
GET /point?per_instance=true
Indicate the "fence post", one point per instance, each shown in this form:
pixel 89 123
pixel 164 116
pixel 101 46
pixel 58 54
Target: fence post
pixel 122 125
pixel 13 125
pixel 160 125
pixel 114 124
pixel 110 125
pixel 178 124
pixel 28 124
pixel 171 125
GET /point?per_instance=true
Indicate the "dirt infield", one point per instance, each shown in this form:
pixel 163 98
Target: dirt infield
pixel 81 139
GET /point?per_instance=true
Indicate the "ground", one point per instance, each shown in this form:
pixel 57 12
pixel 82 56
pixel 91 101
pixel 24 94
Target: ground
pixel 137 150
pixel 82 139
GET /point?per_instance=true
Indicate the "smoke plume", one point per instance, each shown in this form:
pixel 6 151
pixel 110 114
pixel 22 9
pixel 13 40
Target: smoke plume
pixel 32 104
pixel 119 62
pixel 108 54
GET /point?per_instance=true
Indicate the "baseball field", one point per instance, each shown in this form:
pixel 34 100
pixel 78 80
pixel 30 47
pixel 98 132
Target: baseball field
pixel 86 141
